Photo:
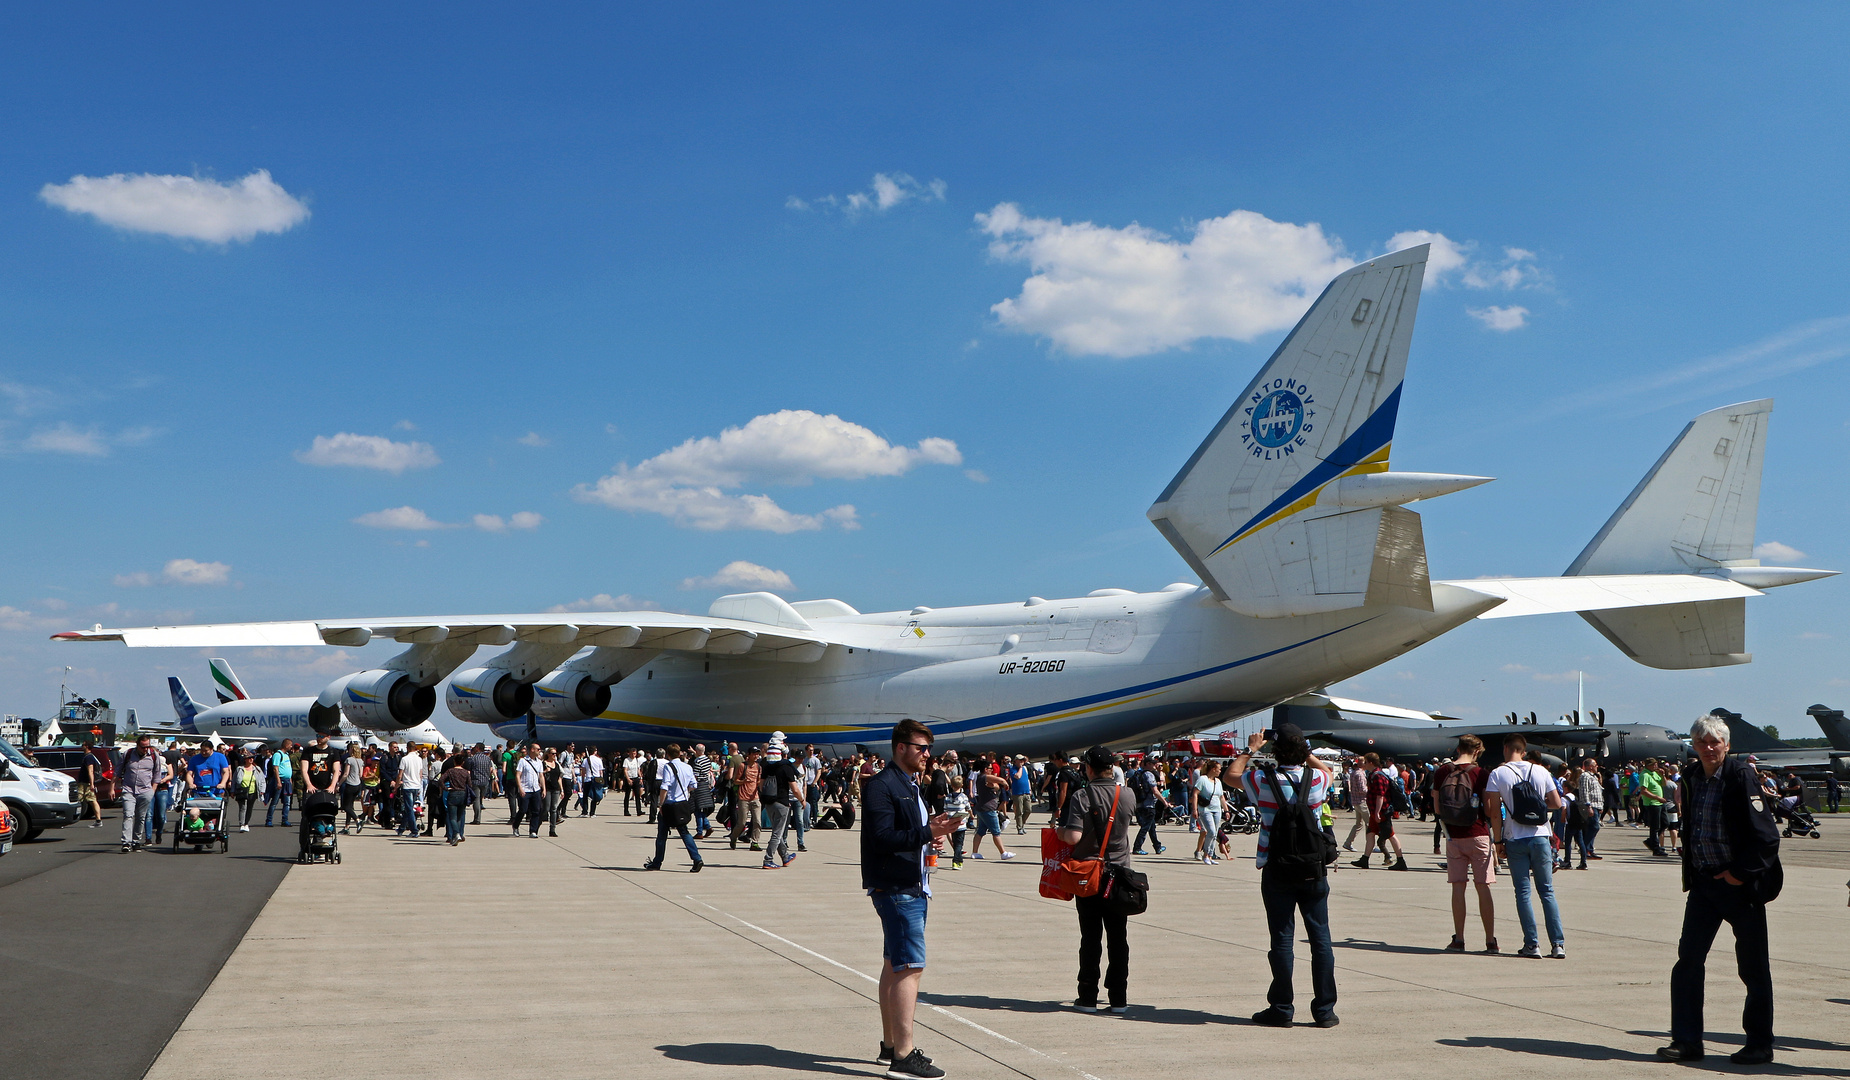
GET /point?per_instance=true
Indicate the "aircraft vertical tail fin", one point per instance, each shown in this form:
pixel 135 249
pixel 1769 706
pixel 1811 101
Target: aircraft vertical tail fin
pixel 1836 728
pixel 1746 738
pixel 184 708
pixel 1694 511
pixel 1288 507
pixel 226 683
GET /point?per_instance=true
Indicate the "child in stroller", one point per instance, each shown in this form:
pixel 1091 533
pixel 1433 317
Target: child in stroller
pixel 318 843
pixel 1795 819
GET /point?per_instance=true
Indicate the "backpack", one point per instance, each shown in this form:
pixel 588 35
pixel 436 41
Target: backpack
pixel 1139 783
pixel 1298 849
pixel 1456 802
pixel 1397 796
pixel 1527 806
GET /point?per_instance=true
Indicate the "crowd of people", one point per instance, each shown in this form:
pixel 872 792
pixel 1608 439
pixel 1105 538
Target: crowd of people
pixel 916 810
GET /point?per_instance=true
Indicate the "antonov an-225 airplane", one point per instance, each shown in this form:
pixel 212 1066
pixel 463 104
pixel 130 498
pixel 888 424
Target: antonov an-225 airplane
pixel 1312 570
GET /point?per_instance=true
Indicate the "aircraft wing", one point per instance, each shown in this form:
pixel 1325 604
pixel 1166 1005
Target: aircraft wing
pixel 1600 592
pixel 781 640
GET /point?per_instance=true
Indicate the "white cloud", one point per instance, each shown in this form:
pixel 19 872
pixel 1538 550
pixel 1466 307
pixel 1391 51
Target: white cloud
pixel 192 572
pixel 525 519
pixel 187 207
pixel 740 574
pixel 26 399
pixel 368 452
pixel 607 602
pixel 689 484
pixel 1103 291
pixel 404 425
pixel 401 517
pixel 1501 318
pixel 1096 290
pixel 1814 635
pixel 887 191
pixel 533 438
pixel 12 618
pixel 1780 553
pixel 977 476
pixel 68 439
pixel 177 572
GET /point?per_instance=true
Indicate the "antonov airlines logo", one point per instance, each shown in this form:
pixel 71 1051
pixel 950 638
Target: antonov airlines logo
pixel 1278 416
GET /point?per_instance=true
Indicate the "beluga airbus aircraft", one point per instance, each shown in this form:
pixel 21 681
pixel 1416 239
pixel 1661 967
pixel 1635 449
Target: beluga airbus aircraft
pixel 1311 568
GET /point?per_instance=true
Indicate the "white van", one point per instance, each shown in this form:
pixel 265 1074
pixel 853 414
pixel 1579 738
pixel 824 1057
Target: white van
pixel 40 799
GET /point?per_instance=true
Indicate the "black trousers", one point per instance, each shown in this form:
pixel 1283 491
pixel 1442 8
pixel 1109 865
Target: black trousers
pixel 1710 904
pixel 1654 823
pixel 1095 923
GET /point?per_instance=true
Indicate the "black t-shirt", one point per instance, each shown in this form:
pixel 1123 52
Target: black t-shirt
pixel 779 782
pixel 318 765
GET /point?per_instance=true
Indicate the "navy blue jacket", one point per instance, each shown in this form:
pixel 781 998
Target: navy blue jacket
pixel 892 832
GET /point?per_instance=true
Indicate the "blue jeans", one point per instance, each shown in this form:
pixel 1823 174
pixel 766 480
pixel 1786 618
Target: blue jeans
pixel 1589 828
pixel 408 817
pixel 284 791
pixel 799 816
pixel 1146 826
pixel 988 823
pixel 1284 900
pixel 1534 857
pixel 902 922
pixel 457 804
pixel 157 814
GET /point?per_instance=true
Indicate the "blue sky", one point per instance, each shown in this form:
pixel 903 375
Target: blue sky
pixel 506 253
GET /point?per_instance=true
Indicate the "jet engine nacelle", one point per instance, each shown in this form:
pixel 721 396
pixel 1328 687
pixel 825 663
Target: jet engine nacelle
pixel 487 695
pixel 568 695
pixel 380 700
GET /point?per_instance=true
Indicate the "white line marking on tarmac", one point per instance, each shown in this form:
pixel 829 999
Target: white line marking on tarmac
pixel 940 1010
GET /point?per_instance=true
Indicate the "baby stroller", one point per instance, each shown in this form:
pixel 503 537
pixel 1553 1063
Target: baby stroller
pixel 1798 820
pixel 202 824
pixel 318 839
pixel 1242 816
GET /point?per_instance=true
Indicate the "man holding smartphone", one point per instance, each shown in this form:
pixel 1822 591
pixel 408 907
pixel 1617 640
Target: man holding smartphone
pixel 895 832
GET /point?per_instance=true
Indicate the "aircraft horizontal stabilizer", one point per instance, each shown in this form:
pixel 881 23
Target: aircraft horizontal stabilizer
pixel 1550 595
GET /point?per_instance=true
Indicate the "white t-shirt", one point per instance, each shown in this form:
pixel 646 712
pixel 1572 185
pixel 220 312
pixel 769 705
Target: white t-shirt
pixel 632 768
pixel 1503 779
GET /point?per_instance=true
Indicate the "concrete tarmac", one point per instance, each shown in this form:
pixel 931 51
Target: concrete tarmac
pixel 512 958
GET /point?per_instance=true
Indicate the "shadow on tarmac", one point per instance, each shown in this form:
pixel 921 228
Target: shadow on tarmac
pixel 1382 946
pixel 1780 1042
pixel 761 1055
pixel 1180 1017
pixel 1594 1052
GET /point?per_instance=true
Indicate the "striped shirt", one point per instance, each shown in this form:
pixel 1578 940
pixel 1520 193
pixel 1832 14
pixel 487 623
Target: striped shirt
pixel 1259 790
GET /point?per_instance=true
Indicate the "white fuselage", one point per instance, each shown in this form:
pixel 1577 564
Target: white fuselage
pixel 268 719
pixel 1031 678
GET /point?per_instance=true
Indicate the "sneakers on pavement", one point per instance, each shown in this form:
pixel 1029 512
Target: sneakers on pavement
pixel 1007 855
pixel 1529 952
pixel 1559 952
pixel 915 1064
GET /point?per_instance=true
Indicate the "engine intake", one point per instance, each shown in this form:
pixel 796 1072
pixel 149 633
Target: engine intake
pixel 569 695
pixel 487 695
pixel 381 700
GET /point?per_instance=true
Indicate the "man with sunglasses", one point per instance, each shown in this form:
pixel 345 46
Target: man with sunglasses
pixel 895 833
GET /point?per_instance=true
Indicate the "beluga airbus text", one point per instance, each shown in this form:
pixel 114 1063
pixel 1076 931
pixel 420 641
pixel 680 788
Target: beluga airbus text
pixel 1311 567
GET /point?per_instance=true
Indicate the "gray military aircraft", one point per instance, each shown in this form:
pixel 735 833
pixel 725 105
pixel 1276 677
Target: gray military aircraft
pixel 1836 728
pixel 1747 740
pixel 1615 744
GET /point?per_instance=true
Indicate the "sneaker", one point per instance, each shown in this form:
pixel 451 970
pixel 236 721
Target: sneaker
pixel 913 1064
pixel 1529 952
pixel 801 849
pixel 1082 1005
pixel 1348 847
pixel 886 1052
pixel 126 849
pixel 1457 945
pixel 1270 1017
pixel 790 858
pixel 768 866
pixel 96 824
pixel 958 865
pixel 697 867
pixel 1329 1021
pixel 1559 952
pixel 756 847
pixel 1160 849
pixel 650 865
pixel 1118 1010
pixel 1007 855
pixel 1491 949
pixel 1139 851
pixel 244 828
pixel 977 855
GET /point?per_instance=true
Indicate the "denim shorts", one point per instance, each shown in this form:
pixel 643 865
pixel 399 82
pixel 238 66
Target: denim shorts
pixel 902 917
pixel 988 822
